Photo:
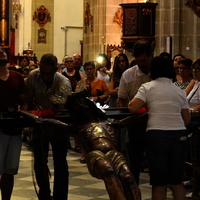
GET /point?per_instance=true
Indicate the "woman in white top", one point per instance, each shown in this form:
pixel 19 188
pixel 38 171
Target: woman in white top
pixel 103 67
pixel 168 113
pixel 193 95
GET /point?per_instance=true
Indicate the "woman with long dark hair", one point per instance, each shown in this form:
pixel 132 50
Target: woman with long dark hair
pixel 121 64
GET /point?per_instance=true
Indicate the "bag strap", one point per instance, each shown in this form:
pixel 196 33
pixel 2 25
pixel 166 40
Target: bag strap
pixel 193 94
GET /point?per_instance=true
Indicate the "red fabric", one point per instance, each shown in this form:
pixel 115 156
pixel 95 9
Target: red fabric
pixel 47 113
pixel 141 110
pixel 11 89
pixel 12 48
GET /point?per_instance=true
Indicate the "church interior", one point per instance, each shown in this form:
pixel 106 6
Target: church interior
pixel 89 28
pixel 96 26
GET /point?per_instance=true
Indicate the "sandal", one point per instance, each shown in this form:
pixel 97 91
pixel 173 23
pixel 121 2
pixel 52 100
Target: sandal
pixel 77 149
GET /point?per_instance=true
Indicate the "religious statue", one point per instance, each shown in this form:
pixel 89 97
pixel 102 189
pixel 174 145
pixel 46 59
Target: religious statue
pixel 98 140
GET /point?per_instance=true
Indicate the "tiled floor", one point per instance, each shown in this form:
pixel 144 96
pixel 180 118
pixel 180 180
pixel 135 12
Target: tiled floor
pixel 82 185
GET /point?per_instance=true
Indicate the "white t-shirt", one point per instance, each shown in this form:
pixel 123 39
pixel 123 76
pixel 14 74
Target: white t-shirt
pixel 164 102
pixel 106 78
pixel 194 95
pixel 130 82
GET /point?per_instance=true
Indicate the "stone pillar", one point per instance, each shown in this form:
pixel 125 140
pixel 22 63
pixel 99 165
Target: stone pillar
pixel 4 21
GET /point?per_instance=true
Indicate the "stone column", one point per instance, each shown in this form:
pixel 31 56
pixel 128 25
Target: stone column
pixel 4 21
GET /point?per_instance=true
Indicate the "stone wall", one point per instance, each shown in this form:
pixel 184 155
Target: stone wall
pixel 174 20
pixel 178 21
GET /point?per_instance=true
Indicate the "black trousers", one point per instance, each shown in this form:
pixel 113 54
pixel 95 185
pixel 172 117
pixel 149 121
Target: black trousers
pixel 59 142
pixel 135 146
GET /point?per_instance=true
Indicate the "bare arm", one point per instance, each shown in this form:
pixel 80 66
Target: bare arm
pixel 135 104
pixel 197 108
pixel 189 87
pixel 112 91
pixel 121 102
pixel 186 116
pixel 23 102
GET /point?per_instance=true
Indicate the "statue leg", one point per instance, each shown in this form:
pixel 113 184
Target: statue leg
pixel 131 190
pixel 100 167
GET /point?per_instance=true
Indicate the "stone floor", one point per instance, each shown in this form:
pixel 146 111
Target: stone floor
pixel 82 186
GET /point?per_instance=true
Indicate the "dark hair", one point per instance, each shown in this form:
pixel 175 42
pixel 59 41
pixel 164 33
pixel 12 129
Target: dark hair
pixel 117 72
pixel 49 59
pixel 89 63
pixel 161 67
pixel 166 54
pixel 133 62
pixel 186 61
pixel 24 57
pixel 179 54
pixel 196 62
pixel 142 47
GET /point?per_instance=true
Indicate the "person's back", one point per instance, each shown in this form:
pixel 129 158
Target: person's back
pixel 166 137
pixel 162 92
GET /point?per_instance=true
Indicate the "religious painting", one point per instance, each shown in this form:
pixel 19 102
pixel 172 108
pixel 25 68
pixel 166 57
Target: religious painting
pixel 195 5
pixel 42 33
pixel 42 16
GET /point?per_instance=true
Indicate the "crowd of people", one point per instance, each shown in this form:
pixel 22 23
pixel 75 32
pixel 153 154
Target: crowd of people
pixel 167 88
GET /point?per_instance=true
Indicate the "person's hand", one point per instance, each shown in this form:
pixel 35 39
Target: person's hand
pixel 38 108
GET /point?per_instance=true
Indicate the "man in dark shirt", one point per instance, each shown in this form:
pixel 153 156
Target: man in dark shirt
pixel 12 90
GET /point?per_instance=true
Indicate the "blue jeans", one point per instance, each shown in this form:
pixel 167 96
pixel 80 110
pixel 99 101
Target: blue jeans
pixel 59 142
pixel 166 153
pixel 10 149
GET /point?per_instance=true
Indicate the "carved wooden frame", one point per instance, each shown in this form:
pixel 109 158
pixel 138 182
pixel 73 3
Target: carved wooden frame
pixel 42 16
pixel 42 33
pixel 195 5
pixel 113 50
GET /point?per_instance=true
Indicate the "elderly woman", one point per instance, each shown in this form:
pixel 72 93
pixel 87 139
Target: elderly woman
pixel 96 87
pixel 168 113
pixel 74 75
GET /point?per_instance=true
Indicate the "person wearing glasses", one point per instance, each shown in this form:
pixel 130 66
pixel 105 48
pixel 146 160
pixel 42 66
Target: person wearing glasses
pixel 74 75
pixel 96 88
pixel 193 89
pixel 78 63
pixel 176 60
pixel 120 65
pixel 193 97
pixel 184 72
